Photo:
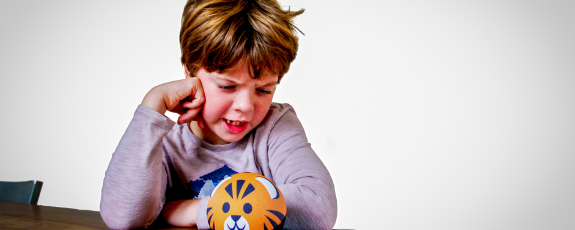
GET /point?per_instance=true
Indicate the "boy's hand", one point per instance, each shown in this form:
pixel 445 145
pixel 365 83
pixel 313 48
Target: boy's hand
pixel 184 97
pixel 181 213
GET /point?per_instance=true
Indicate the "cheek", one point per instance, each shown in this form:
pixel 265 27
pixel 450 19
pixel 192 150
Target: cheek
pixel 261 108
pixel 214 106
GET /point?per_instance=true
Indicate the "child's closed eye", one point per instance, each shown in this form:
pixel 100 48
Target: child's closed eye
pixel 232 87
pixel 264 91
pixel 226 87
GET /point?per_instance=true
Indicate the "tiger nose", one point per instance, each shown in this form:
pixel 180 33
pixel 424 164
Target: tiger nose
pixel 235 218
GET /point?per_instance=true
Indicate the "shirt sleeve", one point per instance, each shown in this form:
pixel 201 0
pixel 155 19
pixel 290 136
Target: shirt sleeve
pixel 202 215
pixel 135 182
pixel 301 176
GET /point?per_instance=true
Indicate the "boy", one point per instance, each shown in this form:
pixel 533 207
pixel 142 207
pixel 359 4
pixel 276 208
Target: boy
pixel 234 52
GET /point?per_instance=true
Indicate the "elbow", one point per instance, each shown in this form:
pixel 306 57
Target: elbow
pixel 325 214
pixel 318 220
pixel 115 220
pixel 325 220
pixel 312 214
pixel 332 217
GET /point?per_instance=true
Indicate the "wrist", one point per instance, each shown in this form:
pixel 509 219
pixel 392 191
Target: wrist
pixel 155 100
pixel 181 212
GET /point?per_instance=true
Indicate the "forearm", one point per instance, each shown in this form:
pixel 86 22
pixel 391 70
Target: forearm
pixel 310 207
pixel 302 177
pixel 134 184
pixel 154 100
pixel 181 213
pixel 307 187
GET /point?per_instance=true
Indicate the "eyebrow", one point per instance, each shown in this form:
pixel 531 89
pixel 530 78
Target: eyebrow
pixel 224 78
pixel 270 84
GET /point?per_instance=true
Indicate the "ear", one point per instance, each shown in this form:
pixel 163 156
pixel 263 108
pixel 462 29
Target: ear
pixel 221 182
pixel 272 190
pixel 187 72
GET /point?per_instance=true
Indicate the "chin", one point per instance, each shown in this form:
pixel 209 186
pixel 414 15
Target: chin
pixel 228 136
pixel 233 138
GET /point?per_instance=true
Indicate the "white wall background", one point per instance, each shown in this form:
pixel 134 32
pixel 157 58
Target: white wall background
pixel 429 114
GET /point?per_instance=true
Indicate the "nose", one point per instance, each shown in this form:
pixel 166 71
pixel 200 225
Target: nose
pixel 244 102
pixel 235 218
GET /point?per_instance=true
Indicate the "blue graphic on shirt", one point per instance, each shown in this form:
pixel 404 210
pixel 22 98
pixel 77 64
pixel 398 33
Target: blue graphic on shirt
pixel 204 186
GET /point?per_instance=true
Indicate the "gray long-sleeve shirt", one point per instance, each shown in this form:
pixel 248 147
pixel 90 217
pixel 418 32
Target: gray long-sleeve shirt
pixel 158 161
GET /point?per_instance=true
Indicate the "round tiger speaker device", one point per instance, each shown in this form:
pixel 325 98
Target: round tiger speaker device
pixel 246 201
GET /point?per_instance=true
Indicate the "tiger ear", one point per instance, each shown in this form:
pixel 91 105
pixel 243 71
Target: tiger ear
pixel 217 186
pixel 272 190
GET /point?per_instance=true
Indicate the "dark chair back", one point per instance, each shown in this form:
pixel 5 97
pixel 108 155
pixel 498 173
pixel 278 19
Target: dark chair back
pixel 26 192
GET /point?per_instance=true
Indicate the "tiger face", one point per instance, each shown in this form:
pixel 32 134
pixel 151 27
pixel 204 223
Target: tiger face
pixel 246 201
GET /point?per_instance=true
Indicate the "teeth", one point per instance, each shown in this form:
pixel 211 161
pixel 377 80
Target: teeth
pixel 234 123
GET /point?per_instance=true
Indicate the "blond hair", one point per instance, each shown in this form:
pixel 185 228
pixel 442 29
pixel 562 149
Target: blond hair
pixel 220 34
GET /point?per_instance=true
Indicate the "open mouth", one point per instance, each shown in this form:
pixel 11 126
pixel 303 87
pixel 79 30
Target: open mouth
pixel 235 123
pixel 235 126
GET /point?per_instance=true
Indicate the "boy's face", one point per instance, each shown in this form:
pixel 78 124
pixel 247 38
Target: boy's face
pixel 235 103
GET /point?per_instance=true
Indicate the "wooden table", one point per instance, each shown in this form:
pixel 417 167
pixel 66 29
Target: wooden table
pixel 26 216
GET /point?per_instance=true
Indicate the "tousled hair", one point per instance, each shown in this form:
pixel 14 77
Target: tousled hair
pixel 219 35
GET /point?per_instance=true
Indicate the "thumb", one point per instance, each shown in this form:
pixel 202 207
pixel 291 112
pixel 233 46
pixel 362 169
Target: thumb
pixel 189 115
pixel 200 120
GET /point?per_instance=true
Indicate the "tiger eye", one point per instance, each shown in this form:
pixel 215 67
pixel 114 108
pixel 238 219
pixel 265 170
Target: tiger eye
pixel 226 207
pixel 246 201
pixel 247 208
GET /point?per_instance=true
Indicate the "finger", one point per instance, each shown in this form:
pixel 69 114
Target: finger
pixel 197 93
pixel 200 119
pixel 188 116
pixel 190 104
pixel 179 109
pixel 177 92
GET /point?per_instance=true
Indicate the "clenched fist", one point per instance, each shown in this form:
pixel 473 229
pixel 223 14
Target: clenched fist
pixel 184 97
